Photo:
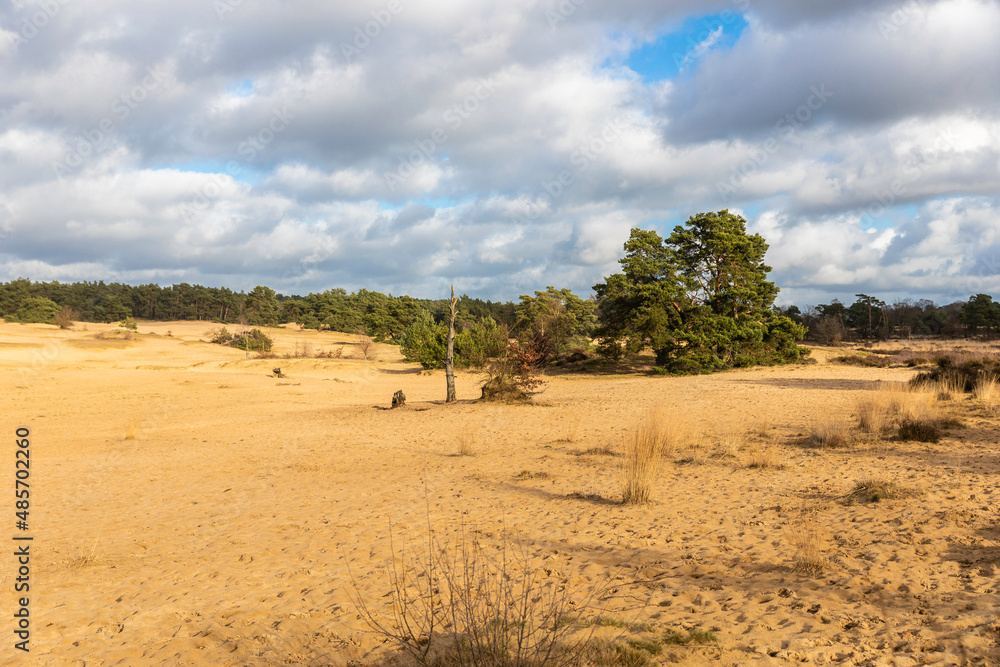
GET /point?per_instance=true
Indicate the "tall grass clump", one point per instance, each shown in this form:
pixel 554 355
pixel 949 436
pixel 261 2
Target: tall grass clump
pixel 831 433
pixel 642 458
pixel 468 605
pixel 987 390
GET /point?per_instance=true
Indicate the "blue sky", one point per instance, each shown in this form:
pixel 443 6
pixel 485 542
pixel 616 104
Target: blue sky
pixel 682 48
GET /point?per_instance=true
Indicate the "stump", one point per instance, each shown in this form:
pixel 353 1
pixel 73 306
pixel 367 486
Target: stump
pixel 277 372
pixel 398 399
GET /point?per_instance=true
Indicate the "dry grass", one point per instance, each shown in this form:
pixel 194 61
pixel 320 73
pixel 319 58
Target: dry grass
pixel 875 413
pixel 132 430
pixel 769 456
pixel 809 541
pixel 987 391
pixel 831 433
pixel 467 445
pixel 468 605
pixel 642 458
pixel 732 441
pixel 874 489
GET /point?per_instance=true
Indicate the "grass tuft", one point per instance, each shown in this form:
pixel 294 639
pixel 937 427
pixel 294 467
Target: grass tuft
pixel 642 456
pixel 831 433
pixel 875 489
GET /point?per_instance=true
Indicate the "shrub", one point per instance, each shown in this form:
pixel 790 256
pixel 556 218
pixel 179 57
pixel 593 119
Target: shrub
pixel 254 340
pixel 220 336
pixel 512 376
pixel 466 606
pixel 867 360
pixel 66 317
pixel 36 309
pixel 920 430
pixel 874 489
pixel 129 323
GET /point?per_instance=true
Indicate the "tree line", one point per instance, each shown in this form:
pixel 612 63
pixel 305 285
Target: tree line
pixel 699 298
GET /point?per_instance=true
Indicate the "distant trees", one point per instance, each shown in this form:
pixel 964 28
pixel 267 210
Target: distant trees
pixel 981 315
pixel 700 299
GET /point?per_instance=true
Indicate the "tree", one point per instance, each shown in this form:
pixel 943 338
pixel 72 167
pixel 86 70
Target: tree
pixel 980 313
pixel 262 306
pixel 554 320
pixel 869 316
pixel 700 299
pixel 449 361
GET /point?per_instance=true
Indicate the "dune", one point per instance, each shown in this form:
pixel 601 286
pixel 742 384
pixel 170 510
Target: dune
pixel 189 508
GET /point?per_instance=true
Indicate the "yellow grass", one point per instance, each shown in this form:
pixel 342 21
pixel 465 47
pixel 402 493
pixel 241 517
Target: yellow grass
pixel 132 430
pixel 987 391
pixel 642 457
pixel 831 433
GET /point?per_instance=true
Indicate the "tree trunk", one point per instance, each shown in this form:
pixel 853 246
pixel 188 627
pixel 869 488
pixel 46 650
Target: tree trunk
pixel 449 362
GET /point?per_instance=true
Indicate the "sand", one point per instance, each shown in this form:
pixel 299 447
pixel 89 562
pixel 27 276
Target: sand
pixel 189 508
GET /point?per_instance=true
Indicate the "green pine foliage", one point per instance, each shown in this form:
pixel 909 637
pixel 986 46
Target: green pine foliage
pixel 700 299
pixel 36 309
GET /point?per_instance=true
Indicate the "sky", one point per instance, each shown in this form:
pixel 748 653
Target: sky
pixel 499 145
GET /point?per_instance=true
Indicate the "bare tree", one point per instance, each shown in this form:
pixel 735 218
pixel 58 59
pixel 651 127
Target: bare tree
pixel 449 362
pixel 365 344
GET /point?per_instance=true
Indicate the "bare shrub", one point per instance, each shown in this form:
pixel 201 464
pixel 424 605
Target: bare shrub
pixel 66 317
pixel 366 345
pixel 467 605
pixel 919 430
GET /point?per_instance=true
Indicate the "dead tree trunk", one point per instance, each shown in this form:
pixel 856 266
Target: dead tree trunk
pixel 449 362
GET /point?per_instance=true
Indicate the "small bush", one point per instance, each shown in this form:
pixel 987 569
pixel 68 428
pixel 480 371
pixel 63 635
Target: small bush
pixel 867 360
pixel 920 430
pixel 254 340
pixel 66 317
pixel 220 336
pixel 467 605
pixel 875 489
pixel 129 323
pixel 512 376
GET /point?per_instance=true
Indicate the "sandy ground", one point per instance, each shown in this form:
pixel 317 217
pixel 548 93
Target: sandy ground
pixel 222 532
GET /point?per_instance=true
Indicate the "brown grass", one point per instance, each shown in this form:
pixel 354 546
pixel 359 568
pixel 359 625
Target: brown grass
pixel 732 441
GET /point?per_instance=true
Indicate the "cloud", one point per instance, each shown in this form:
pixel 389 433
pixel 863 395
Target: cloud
pixel 405 145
